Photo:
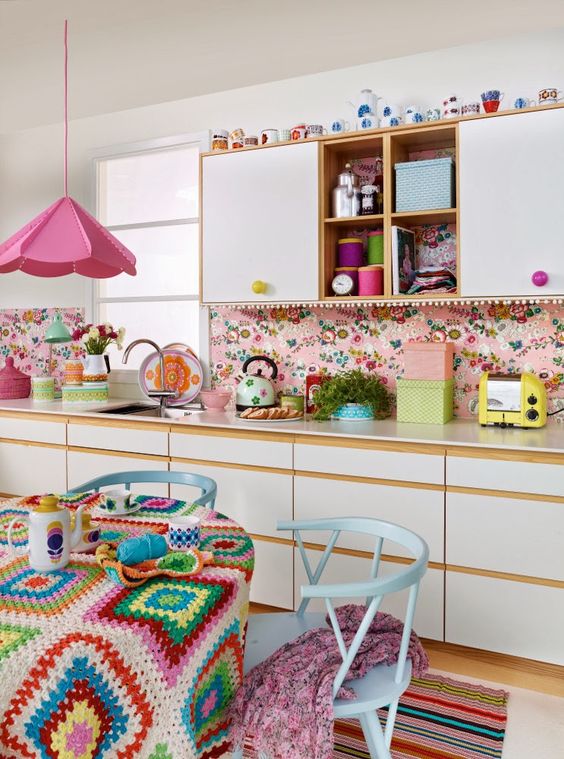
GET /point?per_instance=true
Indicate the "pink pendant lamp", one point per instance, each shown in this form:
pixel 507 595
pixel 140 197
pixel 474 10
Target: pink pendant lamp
pixel 65 238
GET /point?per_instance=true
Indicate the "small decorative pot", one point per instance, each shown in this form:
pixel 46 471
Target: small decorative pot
pixel 354 412
pixel 43 389
pixel 95 368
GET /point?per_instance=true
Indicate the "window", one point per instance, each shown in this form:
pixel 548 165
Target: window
pixel 147 196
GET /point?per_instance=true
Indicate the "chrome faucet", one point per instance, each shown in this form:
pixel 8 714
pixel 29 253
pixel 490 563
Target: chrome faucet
pixel 163 394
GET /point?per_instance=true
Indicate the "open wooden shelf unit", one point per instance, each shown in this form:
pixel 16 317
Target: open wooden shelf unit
pixel 393 146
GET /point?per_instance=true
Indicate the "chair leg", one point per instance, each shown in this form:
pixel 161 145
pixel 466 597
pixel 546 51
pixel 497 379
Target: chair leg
pixel 237 754
pixel 391 721
pixel 374 736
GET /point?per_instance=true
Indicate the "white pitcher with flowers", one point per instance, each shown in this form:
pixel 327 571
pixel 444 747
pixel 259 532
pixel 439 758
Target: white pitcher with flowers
pixel 95 340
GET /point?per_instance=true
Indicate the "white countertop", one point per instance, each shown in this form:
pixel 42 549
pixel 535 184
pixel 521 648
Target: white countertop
pixel 463 432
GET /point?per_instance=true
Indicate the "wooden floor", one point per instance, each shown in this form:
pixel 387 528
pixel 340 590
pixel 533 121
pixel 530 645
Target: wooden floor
pixel 483 665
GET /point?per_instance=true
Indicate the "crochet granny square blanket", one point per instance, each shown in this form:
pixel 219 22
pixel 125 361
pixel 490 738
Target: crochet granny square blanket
pixel 91 669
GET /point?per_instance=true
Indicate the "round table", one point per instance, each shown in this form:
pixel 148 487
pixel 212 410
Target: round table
pixel 91 668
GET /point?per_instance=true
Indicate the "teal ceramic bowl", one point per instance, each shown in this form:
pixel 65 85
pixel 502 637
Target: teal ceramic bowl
pixel 353 412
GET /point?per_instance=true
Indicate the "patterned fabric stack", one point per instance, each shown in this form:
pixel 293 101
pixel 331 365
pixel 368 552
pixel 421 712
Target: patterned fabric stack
pixel 90 668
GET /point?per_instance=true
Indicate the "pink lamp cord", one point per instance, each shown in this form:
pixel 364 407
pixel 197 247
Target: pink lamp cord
pixel 66 139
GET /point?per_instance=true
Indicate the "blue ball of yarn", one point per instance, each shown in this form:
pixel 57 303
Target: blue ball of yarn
pixel 135 550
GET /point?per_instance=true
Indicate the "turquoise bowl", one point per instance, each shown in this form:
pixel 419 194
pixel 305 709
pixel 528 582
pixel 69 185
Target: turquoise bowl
pixel 354 412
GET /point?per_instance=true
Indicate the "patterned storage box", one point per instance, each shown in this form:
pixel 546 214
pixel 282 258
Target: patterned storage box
pixel 89 392
pixel 429 361
pixel 425 401
pixel 425 184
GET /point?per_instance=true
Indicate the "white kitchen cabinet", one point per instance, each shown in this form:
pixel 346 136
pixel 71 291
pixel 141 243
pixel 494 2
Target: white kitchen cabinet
pixel 511 184
pixel 273 576
pixel 511 476
pixel 254 499
pixel 505 535
pixel 231 450
pixel 129 439
pixel 366 462
pixel 419 510
pixel 340 568
pixel 515 618
pixel 260 222
pixel 32 469
pixel 36 430
pixel 84 466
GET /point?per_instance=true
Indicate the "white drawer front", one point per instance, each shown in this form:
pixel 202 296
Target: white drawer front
pixel 232 450
pixel 515 476
pixel 256 500
pixel 506 535
pixel 32 469
pixel 504 616
pixel 340 568
pixel 359 462
pixel 273 578
pixel 119 439
pixel 83 467
pixel 35 431
pixel 419 510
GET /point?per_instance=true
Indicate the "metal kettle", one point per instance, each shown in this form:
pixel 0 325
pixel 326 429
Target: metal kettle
pixel 346 195
pixel 254 389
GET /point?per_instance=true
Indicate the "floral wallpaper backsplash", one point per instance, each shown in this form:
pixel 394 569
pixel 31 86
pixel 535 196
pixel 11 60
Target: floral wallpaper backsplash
pixel 494 337
pixel 22 332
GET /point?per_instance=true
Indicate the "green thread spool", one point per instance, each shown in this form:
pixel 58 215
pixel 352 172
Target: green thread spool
pixel 375 253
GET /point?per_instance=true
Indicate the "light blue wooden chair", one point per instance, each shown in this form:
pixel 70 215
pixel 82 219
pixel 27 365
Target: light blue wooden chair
pixel 383 685
pixel 205 484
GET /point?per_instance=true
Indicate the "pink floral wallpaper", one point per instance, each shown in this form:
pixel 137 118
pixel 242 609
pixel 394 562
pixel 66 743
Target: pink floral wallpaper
pixel 496 337
pixel 22 332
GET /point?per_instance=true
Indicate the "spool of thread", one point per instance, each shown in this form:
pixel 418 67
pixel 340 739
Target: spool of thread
pixel 351 251
pixel 375 247
pixel 352 271
pixel 371 280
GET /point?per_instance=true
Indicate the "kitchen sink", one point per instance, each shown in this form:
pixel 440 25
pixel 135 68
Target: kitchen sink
pixel 150 409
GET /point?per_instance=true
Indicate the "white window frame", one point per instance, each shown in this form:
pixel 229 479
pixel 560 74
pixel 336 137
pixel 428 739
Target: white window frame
pixel 93 299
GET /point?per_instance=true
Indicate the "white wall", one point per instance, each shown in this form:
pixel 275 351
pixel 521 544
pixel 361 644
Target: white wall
pixel 31 161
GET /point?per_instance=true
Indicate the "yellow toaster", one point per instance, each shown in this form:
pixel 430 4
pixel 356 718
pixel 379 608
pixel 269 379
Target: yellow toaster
pixel 509 400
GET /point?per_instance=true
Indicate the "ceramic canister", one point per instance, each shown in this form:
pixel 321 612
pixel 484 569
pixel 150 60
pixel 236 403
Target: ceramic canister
pixel 220 139
pixel 268 136
pixel 375 247
pixel 371 280
pixel 74 371
pixel 350 250
pixel 43 388
pixel 352 271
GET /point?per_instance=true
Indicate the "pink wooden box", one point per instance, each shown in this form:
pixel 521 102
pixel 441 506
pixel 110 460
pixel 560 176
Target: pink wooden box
pixel 429 361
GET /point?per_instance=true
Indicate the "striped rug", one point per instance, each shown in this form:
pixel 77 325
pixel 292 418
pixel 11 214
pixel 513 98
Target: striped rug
pixel 438 718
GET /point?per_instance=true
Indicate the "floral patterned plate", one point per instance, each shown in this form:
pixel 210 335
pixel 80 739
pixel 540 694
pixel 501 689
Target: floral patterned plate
pixel 183 373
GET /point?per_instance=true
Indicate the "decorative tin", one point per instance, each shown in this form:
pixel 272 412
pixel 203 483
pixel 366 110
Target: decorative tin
pixel 425 401
pixel 421 185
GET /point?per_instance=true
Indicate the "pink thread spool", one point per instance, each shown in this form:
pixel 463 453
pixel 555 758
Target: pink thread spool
pixel 351 252
pixel 371 280
pixel 352 271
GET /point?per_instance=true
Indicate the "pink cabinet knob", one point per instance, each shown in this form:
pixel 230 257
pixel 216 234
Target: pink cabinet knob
pixel 539 278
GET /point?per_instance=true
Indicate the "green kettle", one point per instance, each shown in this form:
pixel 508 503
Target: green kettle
pixel 254 389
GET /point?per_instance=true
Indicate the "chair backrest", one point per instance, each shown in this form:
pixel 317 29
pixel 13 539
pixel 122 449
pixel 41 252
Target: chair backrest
pixel 372 589
pixel 205 484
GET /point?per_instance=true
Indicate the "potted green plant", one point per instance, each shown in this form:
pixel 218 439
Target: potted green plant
pixel 352 396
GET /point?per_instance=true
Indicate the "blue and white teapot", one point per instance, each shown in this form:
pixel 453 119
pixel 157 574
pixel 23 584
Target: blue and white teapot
pixel 365 103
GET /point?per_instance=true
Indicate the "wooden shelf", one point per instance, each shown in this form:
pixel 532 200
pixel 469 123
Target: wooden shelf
pixel 357 221
pixel 432 216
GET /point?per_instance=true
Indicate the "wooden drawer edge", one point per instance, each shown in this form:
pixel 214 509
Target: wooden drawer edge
pixel 236 434
pixel 531 457
pixel 33 416
pixel 369 480
pixel 528 579
pixel 371 445
pixel 505 494
pixel 117 454
pixel 33 443
pixel 120 424
pixel 229 465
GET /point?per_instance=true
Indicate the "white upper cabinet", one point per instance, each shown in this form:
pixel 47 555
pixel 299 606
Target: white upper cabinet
pixel 260 223
pixel 511 201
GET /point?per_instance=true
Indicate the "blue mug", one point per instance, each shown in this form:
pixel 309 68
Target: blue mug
pixel 339 125
pixel 183 533
pixel 491 95
pixel 395 120
pixel 524 103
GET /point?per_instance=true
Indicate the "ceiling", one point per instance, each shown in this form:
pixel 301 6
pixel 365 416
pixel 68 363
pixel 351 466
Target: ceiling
pixel 130 53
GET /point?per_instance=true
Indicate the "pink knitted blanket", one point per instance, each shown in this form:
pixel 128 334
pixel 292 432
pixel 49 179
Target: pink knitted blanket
pixel 286 704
